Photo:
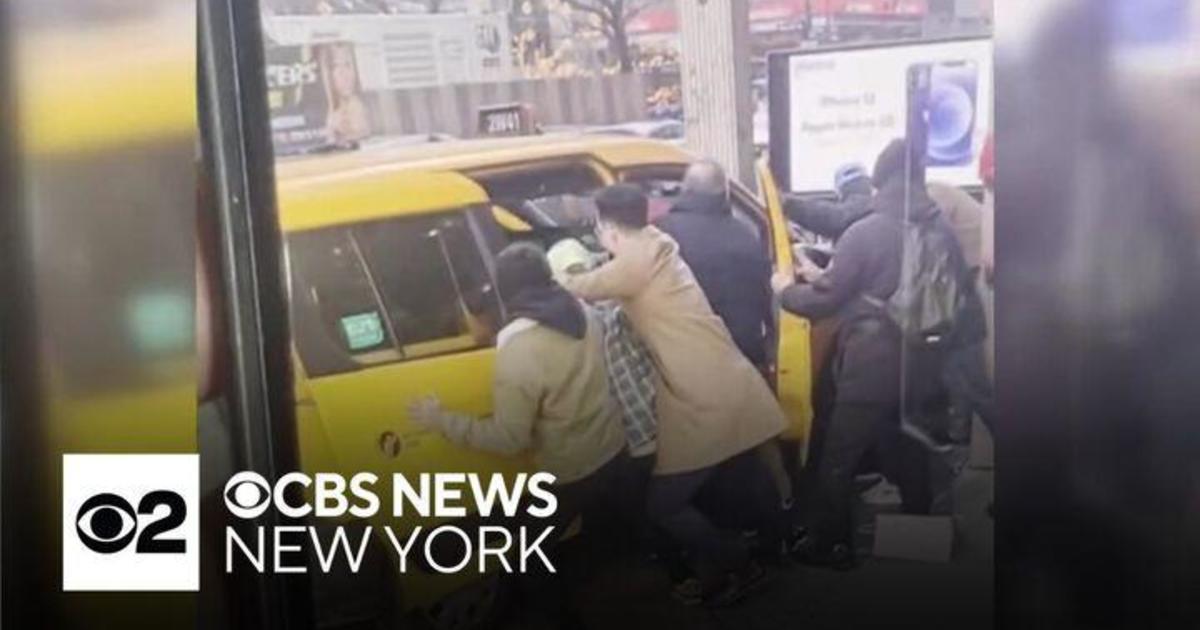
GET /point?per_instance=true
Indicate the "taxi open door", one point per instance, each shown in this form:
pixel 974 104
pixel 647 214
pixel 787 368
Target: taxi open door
pixel 794 374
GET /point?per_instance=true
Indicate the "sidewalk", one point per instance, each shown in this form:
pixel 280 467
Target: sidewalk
pixel 632 594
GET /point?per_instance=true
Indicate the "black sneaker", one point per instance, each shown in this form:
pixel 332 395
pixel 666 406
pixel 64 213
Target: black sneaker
pixel 738 585
pixel 934 442
pixel 689 592
pixel 839 557
pixel 865 482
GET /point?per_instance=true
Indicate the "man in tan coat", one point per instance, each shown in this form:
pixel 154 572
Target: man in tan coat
pixel 552 401
pixel 713 406
pixel 551 396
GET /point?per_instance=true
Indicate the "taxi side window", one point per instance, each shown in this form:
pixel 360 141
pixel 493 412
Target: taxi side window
pixel 334 309
pixel 432 280
pixel 386 291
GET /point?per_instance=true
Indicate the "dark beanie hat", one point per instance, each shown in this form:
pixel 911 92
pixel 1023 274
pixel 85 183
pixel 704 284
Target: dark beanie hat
pixel 521 266
pixel 890 162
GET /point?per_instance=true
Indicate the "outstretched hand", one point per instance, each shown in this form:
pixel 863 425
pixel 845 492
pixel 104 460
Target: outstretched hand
pixel 426 412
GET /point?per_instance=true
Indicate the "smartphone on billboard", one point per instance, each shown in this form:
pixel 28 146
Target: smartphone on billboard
pixel 942 101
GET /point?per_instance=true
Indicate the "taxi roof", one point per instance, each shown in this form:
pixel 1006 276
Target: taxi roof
pixel 367 195
pixel 472 155
pixel 366 185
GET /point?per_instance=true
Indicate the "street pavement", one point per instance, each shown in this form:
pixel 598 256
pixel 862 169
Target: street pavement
pixel 631 593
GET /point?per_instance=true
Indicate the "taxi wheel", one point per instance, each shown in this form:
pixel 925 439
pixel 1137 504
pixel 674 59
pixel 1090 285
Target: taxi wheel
pixel 476 607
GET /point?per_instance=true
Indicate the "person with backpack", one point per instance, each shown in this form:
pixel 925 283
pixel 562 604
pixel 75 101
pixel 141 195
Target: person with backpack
pixel 965 369
pixel 865 272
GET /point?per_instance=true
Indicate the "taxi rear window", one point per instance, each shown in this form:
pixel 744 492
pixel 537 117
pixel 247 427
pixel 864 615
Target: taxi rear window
pixel 391 290
pixel 546 196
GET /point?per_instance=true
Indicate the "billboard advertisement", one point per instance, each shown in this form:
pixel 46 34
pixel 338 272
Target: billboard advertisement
pixel 396 52
pixel 833 107
pixel 315 96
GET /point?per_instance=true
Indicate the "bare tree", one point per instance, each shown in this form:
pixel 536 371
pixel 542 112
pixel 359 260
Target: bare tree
pixel 613 17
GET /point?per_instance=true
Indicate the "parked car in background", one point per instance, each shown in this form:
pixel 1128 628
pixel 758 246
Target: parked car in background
pixel 668 129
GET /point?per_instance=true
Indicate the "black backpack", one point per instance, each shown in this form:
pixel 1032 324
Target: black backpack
pixel 932 308
pixel 932 298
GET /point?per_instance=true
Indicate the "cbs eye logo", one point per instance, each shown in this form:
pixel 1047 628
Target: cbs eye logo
pixel 247 495
pixel 107 523
pixel 131 522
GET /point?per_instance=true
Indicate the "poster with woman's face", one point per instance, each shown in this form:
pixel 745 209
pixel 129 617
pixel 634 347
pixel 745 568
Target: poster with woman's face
pixel 315 97
pixel 347 120
pixel 296 97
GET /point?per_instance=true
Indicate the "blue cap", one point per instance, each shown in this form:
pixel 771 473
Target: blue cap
pixel 847 173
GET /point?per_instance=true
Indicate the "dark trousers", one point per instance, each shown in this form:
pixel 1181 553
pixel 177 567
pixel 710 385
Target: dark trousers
pixel 602 499
pixel 597 498
pixel 633 502
pixel 740 484
pixel 970 390
pixel 853 430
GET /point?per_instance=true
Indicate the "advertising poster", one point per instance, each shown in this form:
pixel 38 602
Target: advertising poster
pixel 844 106
pixel 315 96
pixel 408 51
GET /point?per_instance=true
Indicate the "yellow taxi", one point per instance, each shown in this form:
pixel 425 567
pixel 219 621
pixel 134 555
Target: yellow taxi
pixel 390 255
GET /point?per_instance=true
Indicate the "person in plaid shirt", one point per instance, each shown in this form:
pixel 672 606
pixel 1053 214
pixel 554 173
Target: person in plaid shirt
pixel 630 367
pixel 631 372
pixel 631 380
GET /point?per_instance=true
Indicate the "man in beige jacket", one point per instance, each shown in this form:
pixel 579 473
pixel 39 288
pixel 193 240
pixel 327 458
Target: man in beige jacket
pixel 551 396
pixel 551 400
pixel 714 408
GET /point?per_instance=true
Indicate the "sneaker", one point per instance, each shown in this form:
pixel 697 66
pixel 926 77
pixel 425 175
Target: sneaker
pixel 932 443
pixel 797 539
pixel 689 592
pixel 839 557
pixel 865 482
pixel 881 494
pixel 738 585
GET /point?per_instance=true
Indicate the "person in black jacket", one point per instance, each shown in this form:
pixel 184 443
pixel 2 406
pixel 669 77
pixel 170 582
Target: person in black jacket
pixel 867 373
pixel 831 218
pixel 726 255
pixel 732 266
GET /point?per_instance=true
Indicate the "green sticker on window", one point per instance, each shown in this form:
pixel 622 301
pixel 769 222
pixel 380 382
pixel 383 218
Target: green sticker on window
pixel 362 331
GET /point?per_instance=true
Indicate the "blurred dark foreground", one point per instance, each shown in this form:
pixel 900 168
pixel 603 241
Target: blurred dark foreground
pixel 1098 284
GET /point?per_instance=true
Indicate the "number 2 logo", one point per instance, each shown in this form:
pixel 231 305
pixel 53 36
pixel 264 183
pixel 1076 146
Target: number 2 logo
pixel 106 523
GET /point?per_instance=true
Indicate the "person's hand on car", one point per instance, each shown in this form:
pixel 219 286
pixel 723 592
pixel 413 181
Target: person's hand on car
pixel 426 413
pixel 808 269
pixel 781 281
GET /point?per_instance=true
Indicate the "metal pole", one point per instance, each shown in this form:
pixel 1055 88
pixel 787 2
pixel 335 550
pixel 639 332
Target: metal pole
pixel 714 38
pixel 236 125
